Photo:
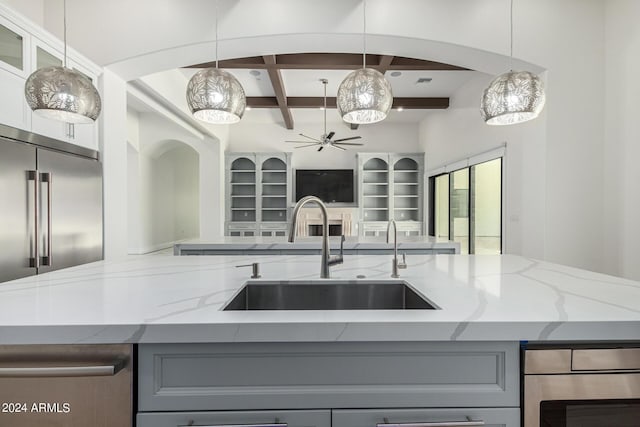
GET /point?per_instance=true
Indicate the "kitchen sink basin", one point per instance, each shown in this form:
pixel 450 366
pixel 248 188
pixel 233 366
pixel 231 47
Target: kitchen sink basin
pixel 329 295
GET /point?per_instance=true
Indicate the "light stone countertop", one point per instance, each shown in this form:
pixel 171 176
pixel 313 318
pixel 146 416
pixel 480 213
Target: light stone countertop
pixel 351 243
pixel 168 299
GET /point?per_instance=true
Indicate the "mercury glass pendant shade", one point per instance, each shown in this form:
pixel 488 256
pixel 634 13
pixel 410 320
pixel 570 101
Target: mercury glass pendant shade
pixel 63 94
pixel 513 97
pixel 364 96
pixel 215 96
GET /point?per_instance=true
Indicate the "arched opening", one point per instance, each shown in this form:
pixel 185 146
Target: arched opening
pixel 164 195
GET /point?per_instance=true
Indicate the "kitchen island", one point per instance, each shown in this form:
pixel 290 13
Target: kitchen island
pixel 353 245
pixel 199 365
pixel 168 299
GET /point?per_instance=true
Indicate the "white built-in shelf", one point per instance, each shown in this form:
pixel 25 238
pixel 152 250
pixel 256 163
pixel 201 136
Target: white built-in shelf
pixel 244 183
pixel 375 195
pixel 243 170
pixel 275 196
pixel 407 195
pixel 274 209
pixel 405 183
pixel 376 209
pixel 240 196
pixel 405 209
pixel 274 183
pixel 376 183
pixel 243 209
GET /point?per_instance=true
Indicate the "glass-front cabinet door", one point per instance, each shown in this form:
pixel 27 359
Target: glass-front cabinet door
pixel 13 49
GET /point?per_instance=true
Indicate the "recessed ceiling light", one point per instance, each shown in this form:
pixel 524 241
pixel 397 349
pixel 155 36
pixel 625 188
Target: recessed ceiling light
pixel 424 80
pixel 254 73
pixel 396 74
pixel 247 108
pixel 400 109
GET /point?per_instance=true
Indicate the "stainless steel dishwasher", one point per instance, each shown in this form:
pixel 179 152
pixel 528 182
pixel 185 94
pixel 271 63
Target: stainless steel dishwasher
pixel 66 385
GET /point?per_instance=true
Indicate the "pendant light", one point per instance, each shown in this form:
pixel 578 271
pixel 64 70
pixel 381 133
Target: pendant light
pixel 214 95
pixel 513 97
pixel 364 96
pixel 61 93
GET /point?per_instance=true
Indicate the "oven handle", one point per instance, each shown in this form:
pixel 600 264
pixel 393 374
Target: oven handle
pixel 65 371
pixel 468 422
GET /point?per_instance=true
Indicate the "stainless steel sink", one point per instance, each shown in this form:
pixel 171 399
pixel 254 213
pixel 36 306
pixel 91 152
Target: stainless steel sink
pixel 329 295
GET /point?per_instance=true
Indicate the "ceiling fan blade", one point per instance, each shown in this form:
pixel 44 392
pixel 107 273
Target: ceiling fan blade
pixel 321 147
pixel 348 143
pixel 313 139
pixel 300 142
pixel 347 139
pixel 338 147
pixel 330 135
pixel 307 145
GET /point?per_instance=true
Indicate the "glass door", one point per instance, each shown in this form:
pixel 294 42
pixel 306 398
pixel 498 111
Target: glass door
pixel 441 208
pixel 459 209
pixel 486 208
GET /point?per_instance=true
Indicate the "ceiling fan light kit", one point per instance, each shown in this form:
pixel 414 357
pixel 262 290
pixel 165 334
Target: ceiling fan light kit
pixel 214 95
pixel 513 97
pixel 61 93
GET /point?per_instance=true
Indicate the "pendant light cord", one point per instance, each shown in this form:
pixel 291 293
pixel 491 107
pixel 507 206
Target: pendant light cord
pixel 511 37
pixel 364 34
pixel 217 34
pixel 64 29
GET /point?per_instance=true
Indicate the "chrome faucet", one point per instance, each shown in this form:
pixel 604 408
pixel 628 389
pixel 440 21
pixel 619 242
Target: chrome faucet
pixel 395 264
pixel 327 259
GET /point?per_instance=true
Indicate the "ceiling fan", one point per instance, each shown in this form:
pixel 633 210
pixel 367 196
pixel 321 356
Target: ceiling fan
pixel 326 138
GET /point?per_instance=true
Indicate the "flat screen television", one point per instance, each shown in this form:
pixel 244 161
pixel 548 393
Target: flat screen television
pixel 330 185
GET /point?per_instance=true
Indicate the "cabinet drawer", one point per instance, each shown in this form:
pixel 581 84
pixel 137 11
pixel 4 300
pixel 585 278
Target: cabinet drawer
pixel 327 375
pixel 492 417
pixel 244 418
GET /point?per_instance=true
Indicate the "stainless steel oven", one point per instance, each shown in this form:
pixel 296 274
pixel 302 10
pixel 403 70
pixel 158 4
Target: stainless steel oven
pixel 582 387
pixel 66 385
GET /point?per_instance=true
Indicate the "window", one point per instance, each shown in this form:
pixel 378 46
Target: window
pixel 466 207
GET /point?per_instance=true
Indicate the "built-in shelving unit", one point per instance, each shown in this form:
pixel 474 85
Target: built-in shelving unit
pixel 375 190
pixel 391 187
pixel 258 189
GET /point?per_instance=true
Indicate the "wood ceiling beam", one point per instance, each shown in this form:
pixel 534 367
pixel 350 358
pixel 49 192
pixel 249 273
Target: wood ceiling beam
pixel 317 102
pixel 278 87
pixel 329 61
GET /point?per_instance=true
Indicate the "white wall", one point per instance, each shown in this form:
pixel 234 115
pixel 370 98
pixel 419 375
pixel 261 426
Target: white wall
pixel 458 133
pixel 379 137
pixel 622 149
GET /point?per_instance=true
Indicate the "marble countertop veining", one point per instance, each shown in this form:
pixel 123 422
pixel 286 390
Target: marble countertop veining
pixel 351 242
pixel 163 298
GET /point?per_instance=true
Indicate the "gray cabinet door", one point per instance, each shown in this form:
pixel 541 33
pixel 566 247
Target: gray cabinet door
pixel 17 210
pixel 237 419
pixel 71 195
pixel 452 417
pixel 247 376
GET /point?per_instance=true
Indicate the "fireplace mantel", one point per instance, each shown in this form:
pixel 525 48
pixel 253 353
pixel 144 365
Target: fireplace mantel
pixel 312 216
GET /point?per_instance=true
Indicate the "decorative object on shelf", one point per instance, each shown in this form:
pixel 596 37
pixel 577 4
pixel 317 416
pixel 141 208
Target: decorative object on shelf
pixel 214 95
pixel 326 138
pixel 513 97
pixel 364 96
pixel 61 93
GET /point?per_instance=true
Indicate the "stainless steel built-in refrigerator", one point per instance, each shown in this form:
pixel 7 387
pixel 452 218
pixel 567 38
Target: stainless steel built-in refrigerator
pixel 50 204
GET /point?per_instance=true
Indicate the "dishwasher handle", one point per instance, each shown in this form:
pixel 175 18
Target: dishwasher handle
pixel 468 422
pixel 107 370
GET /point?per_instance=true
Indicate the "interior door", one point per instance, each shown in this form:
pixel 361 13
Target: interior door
pixel 17 209
pixel 71 210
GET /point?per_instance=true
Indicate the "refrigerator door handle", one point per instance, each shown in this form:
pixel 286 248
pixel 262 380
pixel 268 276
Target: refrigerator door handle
pixel 46 259
pixel 34 261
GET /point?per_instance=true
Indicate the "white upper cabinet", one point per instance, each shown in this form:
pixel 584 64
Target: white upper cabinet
pixel 23 50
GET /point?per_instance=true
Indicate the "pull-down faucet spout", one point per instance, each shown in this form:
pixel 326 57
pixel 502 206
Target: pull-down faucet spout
pixel 327 259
